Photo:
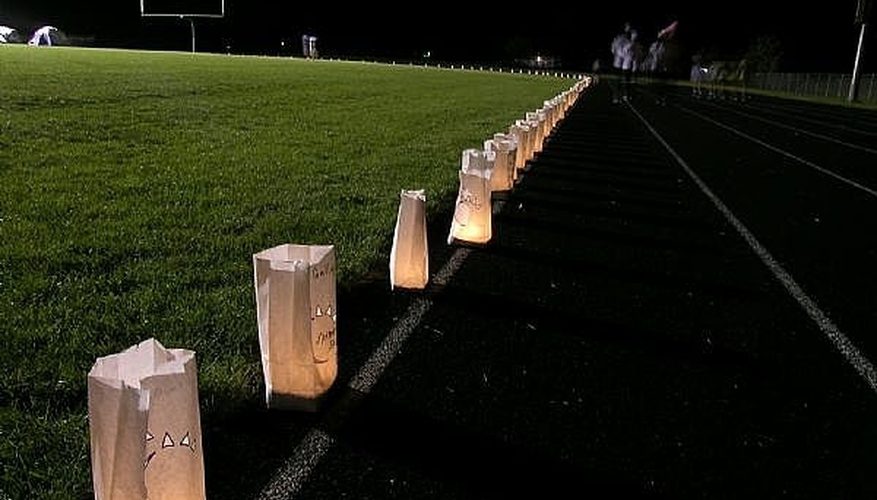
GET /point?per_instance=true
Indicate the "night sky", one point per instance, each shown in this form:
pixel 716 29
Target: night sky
pixel 812 38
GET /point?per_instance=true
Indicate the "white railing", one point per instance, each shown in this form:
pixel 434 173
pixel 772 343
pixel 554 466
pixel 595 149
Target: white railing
pixel 835 85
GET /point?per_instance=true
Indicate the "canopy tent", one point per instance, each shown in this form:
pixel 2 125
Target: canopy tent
pixel 9 35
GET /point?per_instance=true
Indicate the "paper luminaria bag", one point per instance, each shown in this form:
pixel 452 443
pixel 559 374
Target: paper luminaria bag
pixel 503 176
pixel 296 312
pixel 488 158
pixel 145 425
pixel 513 152
pixel 409 258
pixel 538 123
pixel 526 134
pixel 472 213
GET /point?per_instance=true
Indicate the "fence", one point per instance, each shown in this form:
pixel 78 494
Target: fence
pixel 815 84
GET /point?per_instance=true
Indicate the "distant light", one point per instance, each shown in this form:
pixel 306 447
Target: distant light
pixel 427 54
pixel 539 59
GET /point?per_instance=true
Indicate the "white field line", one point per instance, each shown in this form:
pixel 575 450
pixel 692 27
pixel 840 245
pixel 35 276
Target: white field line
pixel 783 152
pixel 797 116
pixel 799 130
pixel 288 481
pixel 840 341
pixel 371 371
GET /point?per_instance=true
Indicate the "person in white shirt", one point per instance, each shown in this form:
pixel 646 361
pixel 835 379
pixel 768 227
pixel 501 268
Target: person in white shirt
pixel 632 55
pixel 619 47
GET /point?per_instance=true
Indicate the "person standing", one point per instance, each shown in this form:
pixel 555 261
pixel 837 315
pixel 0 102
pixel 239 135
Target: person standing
pixel 619 47
pixel 632 55
pixel 306 46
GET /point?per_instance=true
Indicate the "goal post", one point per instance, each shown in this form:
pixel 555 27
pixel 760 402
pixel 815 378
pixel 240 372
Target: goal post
pixel 214 9
pixel 186 10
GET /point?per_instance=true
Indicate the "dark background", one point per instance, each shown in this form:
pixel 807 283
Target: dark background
pixel 812 37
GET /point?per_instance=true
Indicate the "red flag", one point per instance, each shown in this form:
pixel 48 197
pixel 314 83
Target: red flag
pixel 669 31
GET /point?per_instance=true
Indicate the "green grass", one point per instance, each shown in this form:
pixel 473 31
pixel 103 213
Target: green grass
pixel 134 188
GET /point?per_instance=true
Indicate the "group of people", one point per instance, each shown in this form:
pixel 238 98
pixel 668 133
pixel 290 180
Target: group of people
pixel 629 57
pixel 718 79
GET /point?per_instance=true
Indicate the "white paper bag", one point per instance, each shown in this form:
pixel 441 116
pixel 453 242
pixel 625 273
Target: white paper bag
pixel 475 162
pixel 503 176
pixel 472 213
pixel 296 311
pixel 537 120
pixel 521 133
pixel 409 258
pixel 145 425
pixel 513 150
pixel 517 134
pixel 551 111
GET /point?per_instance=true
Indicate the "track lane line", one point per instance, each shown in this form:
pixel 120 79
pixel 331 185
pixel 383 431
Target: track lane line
pixel 841 342
pixel 796 129
pixel 288 481
pixel 808 118
pixel 783 152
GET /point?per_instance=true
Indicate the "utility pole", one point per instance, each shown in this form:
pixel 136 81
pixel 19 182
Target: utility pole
pixel 862 10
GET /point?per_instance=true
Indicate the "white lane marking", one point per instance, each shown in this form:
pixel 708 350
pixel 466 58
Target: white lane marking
pixel 369 374
pixel 782 152
pixel 843 344
pixel 288 482
pixel 821 122
pixel 799 130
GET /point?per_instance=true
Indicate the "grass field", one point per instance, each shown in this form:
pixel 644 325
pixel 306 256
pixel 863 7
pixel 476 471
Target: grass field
pixel 134 188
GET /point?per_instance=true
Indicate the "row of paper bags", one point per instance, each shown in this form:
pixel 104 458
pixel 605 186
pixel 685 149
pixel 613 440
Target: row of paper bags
pixel 143 407
pixel 497 167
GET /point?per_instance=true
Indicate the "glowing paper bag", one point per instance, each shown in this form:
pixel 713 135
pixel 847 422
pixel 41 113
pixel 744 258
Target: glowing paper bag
pixel 145 425
pixel 503 176
pixel 472 213
pixel 538 121
pixel 296 311
pixel 409 258
pixel 513 152
pixel 551 109
pixel 521 132
pixel 531 132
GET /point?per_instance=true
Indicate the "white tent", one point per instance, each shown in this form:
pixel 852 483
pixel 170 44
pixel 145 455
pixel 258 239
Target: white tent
pixel 47 35
pixel 8 35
